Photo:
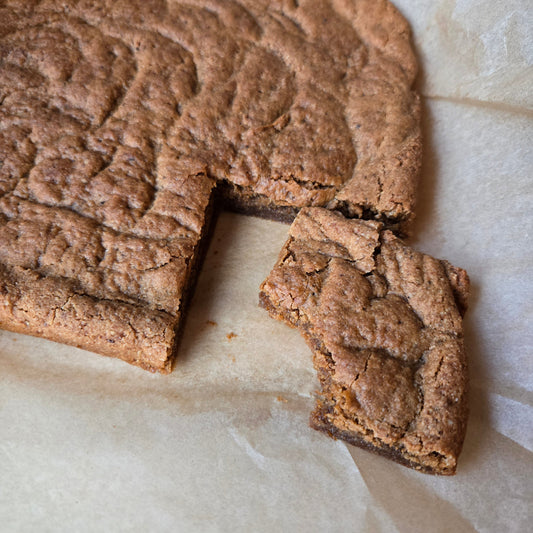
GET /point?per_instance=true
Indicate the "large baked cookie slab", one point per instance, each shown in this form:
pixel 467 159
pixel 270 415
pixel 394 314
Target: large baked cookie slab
pixel 384 322
pixel 118 118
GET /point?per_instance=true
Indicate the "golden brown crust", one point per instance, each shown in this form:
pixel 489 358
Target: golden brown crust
pixel 386 332
pixel 117 119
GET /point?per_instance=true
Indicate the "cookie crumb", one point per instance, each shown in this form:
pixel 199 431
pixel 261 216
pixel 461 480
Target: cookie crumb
pixel 211 323
pixel 231 335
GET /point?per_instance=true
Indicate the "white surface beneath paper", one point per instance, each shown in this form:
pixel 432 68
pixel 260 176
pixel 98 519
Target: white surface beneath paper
pixel 222 444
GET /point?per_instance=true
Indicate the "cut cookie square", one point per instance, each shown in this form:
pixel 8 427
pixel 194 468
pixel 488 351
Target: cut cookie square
pixel 385 326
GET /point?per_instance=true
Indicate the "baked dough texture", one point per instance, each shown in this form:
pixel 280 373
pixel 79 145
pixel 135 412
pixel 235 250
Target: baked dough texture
pixel 385 326
pixel 118 119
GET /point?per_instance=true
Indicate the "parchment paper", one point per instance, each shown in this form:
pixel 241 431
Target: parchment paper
pixel 222 444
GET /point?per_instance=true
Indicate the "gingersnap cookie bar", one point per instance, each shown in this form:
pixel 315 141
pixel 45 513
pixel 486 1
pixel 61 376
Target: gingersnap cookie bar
pixel 385 326
pixel 118 119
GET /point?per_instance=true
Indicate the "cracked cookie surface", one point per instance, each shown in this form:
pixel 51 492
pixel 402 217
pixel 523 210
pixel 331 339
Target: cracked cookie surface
pixel 385 326
pixel 118 119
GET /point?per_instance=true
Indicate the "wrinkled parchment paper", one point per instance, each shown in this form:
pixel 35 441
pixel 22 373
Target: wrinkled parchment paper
pixel 222 444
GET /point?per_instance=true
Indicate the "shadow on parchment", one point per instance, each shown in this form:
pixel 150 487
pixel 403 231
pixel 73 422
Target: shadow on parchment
pixel 210 277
